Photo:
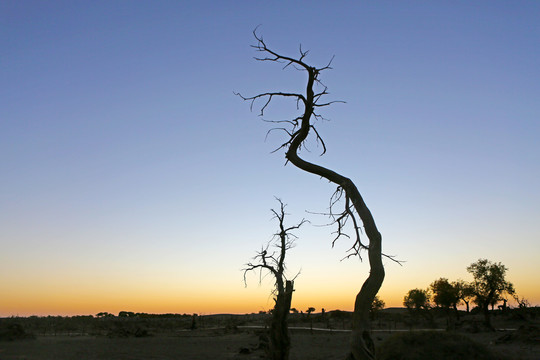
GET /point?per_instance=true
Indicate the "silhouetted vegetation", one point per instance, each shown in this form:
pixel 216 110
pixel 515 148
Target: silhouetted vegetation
pixel 488 288
pixel 429 345
pixel 445 294
pixel 464 292
pixel 10 331
pixel 446 297
pixel 249 332
pixel 527 334
pixel 354 211
pixel 136 325
pixel 489 285
pixel 274 262
pixel 376 306
pixel 417 300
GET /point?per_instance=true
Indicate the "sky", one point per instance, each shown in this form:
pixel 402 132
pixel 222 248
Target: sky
pixel 132 178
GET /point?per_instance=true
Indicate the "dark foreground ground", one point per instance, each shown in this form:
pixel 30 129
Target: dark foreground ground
pixel 219 344
pixel 220 337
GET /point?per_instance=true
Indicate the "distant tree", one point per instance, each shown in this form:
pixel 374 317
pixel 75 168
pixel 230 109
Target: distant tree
pixel 355 212
pixel 103 315
pixel 126 314
pixel 445 296
pixel 376 306
pixel 418 303
pixel 294 310
pixel 465 292
pixel 310 310
pixel 274 263
pixel 522 302
pixel 489 284
pixel 417 299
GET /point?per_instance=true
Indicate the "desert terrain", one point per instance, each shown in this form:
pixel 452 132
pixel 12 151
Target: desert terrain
pixel 319 336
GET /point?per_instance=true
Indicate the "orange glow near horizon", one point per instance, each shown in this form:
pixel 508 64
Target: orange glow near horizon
pixel 204 303
pixel 45 293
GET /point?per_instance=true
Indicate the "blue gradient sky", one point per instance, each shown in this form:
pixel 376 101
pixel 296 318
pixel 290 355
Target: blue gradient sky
pixel 133 179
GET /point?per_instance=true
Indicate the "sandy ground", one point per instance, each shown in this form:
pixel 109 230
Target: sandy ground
pixel 213 344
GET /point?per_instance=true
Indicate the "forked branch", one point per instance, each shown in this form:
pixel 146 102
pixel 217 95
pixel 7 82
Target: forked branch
pixel 271 258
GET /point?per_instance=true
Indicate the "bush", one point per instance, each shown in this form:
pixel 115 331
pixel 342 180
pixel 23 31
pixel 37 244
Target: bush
pixel 10 332
pixel 123 329
pixel 525 334
pixel 430 345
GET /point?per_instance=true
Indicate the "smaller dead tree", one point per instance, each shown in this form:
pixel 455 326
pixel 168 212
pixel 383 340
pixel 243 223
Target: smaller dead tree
pixel 273 262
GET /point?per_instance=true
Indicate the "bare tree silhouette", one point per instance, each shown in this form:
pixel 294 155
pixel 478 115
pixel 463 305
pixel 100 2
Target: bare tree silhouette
pixel 274 263
pixel 354 208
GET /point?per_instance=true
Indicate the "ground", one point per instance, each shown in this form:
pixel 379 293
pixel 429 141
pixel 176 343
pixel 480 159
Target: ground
pixel 216 344
pixel 226 337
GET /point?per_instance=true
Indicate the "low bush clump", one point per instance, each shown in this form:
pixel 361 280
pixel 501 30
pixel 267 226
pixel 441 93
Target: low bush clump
pixel 11 332
pixel 121 330
pixel 525 334
pixel 428 345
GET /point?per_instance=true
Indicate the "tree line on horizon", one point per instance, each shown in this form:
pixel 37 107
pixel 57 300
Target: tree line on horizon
pixel 488 288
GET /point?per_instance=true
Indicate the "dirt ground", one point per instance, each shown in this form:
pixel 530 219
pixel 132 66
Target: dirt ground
pixel 218 345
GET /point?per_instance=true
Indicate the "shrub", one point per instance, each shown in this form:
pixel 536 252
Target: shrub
pixel 14 331
pixel 428 345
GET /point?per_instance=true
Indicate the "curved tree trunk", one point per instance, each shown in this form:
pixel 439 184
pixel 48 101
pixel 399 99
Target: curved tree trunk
pixel 362 346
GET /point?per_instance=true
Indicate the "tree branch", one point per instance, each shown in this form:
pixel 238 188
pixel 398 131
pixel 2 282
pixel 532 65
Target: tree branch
pixel 283 240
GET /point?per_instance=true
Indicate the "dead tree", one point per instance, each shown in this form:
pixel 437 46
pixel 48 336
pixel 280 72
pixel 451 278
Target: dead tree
pixel 354 209
pixel 273 262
